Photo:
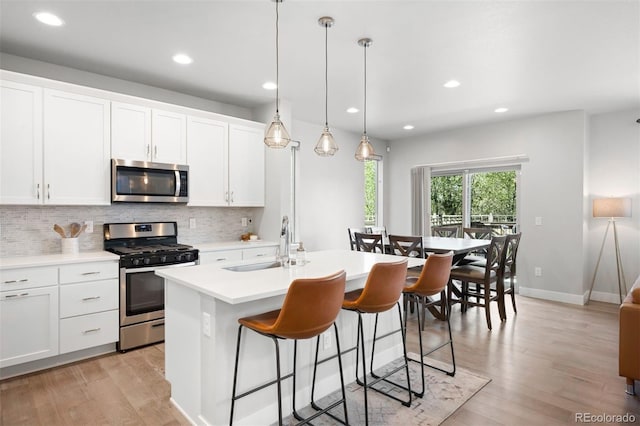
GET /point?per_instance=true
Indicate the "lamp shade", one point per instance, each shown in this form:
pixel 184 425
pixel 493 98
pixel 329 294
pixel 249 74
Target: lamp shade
pixel 612 207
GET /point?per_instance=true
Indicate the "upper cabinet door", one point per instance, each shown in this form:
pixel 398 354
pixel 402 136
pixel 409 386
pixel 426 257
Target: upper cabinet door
pixel 246 165
pixel 169 136
pixel 207 159
pixel 76 149
pixel 130 132
pixel 20 143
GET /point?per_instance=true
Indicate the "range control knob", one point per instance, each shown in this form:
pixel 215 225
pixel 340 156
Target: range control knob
pixel 189 256
pixel 135 262
pixel 163 259
pixel 179 257
pixel 147 261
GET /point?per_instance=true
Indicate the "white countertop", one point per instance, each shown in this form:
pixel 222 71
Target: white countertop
pixel 233 245
pixel 240 287
pixel 56 259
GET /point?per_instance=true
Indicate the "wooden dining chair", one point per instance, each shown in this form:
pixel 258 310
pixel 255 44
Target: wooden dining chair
pixel 508 271
pixel 369 242
pixel 352 238
pixel 485 280
pixel 445 231
pixel 476 233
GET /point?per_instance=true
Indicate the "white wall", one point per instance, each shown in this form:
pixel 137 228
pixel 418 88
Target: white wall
pixel 614 171
pixel 330 189
pixel 551 188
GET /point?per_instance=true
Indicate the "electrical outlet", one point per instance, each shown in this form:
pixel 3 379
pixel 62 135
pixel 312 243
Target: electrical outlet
pixel 538 220
pixel 326 341
pixel 206 324
pixel 537 271
pixel 89 228
pixel 245 221
pixel 192 223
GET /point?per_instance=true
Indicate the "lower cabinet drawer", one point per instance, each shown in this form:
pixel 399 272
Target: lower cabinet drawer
pixel 257 252
pixel 88 298
pixel 88 330
pixel 209 257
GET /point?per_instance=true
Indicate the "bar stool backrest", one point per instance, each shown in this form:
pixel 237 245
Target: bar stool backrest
pixel 310 306
pixel 434 276
pixel 383 287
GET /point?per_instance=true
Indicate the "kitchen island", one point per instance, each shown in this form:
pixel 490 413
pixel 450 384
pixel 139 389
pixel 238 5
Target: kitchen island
pixel 202 306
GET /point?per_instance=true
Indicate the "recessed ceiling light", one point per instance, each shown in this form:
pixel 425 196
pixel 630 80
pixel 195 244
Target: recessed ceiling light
pixel 352 110
pixel 501 110
pixel 269 85
pixel 48 18
pixel 182 59
pixel 451 84
pixel 408 127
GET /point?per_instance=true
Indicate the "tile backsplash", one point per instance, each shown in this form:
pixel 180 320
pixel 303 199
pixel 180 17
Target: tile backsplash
pixel 28 230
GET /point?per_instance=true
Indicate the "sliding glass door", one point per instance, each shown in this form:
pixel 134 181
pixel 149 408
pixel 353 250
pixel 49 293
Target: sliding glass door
pixel 474 198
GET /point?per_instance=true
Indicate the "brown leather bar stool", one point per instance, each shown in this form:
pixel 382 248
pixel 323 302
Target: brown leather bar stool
pixel 381 292
pixel 310 307
pixel 432 281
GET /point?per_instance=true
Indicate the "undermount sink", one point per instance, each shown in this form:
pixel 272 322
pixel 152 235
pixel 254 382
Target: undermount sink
pixel 253 267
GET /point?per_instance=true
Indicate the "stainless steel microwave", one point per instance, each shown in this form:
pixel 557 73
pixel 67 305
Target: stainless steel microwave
pixel 146 182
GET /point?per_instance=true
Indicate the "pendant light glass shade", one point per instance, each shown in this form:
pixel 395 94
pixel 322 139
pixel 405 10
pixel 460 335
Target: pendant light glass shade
pixel 365 149
pixel 326 145
pixel 277 135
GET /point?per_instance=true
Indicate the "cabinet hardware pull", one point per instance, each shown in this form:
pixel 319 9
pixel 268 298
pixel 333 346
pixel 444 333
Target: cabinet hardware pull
pixel 48 192
pixel 226 196
pixel 220 259
pixel 155 151
pixel 91 298
pixel 259 254
pixel 11 282
pixel 148 150
pixel 38 191
pixel 11 296
pixel 232 196
pixel 24 280
pixel 91 273
pixel 91 330
pixel 158 325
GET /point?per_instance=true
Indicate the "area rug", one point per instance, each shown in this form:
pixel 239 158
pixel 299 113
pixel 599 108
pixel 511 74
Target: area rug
pixel 443 396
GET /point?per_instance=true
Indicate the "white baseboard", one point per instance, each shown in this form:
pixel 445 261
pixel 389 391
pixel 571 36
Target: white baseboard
pixel 575 299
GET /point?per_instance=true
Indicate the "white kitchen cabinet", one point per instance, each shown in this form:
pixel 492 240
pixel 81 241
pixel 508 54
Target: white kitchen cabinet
pixel 169 137
pixel 246 165
pixel 130 132
pixel 28 315
pixel 209 257
pixel 258 252
pixel 89 314
pixel 207 156
pixel 77 149
pixel 226 163
pixel 144 134
pixel 20 143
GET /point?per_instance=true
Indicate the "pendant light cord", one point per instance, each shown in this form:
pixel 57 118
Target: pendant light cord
pixel 326 76
pixel 365 90
pixel 277 63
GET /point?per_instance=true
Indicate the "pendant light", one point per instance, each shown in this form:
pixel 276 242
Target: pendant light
pixel 365 149
pixel 277 135
pixel 326 145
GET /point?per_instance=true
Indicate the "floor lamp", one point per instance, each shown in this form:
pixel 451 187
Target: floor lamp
pixel 611 208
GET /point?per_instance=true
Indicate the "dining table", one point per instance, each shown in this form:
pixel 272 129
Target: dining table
pixel 460 247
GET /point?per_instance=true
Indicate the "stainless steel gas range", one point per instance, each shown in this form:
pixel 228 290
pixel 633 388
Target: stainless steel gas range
pixel 144 248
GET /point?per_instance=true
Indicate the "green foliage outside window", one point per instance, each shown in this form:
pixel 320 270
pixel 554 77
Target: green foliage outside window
pixel 370 192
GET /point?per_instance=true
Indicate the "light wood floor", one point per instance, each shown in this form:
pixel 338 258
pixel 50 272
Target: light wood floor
pixel 547 363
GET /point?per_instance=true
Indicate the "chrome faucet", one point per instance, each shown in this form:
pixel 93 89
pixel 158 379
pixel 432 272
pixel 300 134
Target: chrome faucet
pixel 283 249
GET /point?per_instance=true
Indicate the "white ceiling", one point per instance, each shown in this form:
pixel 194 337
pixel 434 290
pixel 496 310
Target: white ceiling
pixel 531 56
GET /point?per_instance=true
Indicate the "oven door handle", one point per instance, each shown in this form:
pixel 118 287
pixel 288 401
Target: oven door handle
pixel 155 268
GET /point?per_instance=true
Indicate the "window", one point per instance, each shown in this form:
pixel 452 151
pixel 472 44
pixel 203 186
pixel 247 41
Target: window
pixel 372 193
pixel 476 198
